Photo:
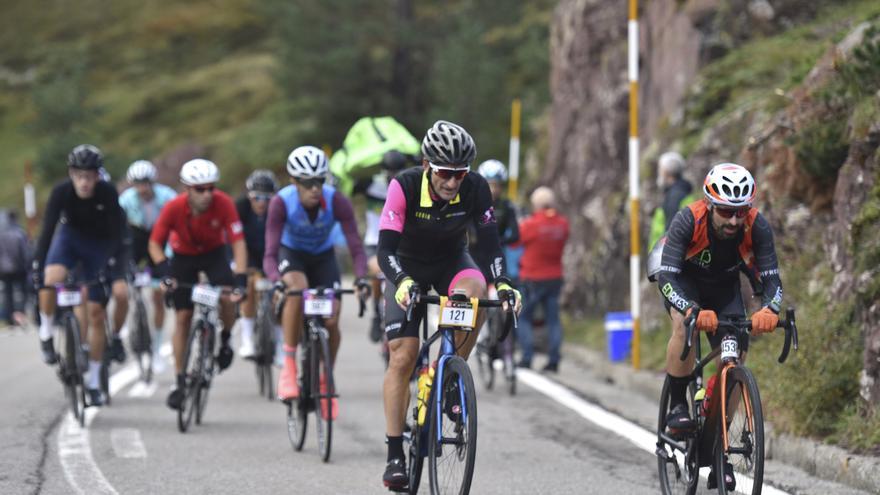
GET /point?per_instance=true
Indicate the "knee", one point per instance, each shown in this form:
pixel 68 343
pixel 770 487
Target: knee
pixel 96 312
pixel 120 293
pixel 401 361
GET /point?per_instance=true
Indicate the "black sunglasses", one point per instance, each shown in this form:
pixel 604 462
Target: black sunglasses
pixel 729 212
pixel 203 189
pixel 311 183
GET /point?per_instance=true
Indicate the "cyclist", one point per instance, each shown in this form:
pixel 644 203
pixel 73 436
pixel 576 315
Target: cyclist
pixel 299 252
pixel 375 150
pixel 198 224
pixel 708 244
pixel 422 243
pixel 117 272
pixel 252 210
pixel 88 218
pixel 142 203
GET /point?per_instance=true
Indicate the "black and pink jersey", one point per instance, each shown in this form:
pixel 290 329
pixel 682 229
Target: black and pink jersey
pixel 425 229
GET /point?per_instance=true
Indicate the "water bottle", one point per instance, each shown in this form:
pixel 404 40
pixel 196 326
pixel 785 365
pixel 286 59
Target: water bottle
pixel 426 378
pixel 707 400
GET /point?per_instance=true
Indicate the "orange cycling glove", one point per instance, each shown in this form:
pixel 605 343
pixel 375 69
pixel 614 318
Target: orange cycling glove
pixel 707 320
pixel 764 321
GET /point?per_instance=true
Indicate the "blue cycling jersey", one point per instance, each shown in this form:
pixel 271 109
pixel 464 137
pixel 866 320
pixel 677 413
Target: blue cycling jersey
pixel 302 234
pixel 143 214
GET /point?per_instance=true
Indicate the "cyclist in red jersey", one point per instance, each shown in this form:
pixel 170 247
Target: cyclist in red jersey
pixel 198 224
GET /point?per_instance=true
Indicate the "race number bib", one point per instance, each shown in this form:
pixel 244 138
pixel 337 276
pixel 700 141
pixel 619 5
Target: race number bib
pixel 318 305
pixel 69 297
pixel 459 314
pixel 206 295
pixel 143 279
pixel 729 349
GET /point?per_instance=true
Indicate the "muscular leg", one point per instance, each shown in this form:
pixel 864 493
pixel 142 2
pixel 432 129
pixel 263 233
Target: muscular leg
pixel 183 319
pixel 465 341
pixel 395 387
pixel 675 366
pixel 332 325
pixel 53 274
pixel 158 310
pixel 291 317
pixel 97 332
pixel 120 311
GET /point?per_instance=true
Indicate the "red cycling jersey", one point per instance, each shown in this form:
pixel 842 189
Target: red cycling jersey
pixel 192 235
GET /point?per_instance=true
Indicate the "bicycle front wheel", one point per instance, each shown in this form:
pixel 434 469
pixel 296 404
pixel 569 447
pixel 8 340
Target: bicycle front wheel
pixel 324 396
pixel 745 434
pixel 192 362
pixel 452 437
pixel 677 463
pixel 72 367
pixel 207 370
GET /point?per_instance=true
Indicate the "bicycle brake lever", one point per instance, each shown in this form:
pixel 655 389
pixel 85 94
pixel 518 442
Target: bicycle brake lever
pixel 689 332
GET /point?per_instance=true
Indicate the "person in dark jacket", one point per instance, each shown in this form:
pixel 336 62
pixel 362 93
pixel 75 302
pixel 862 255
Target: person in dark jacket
pixel 676 193
pixel 15 257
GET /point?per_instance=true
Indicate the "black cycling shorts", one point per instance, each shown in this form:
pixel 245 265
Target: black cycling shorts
pixel 437 274
pixel 321 270
pixel 726 301
pixel 185 269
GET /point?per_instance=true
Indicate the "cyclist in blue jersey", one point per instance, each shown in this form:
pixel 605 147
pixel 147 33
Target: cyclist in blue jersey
pixel 142 203
pixel 299 250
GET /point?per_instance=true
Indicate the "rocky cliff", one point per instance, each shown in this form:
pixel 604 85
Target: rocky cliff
pixel 787 88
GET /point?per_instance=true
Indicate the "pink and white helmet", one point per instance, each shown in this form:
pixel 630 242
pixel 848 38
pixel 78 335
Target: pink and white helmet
pixel 729 185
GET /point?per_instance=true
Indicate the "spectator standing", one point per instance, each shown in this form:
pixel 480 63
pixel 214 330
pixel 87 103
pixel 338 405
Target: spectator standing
pixel 543 236
pixel 14 260
pixel 676 193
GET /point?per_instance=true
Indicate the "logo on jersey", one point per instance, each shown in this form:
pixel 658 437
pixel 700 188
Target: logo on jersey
pixel 673 297
pixel 488 216
pixel 423 215
pixel 236 228
pixel 391 215
pixel 703 260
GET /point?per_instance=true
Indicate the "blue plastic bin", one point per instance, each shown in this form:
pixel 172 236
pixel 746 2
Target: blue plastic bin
pixel 618 332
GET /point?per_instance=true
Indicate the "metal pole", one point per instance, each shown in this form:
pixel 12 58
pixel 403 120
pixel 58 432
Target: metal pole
pixel 513 161
pixel 30 201
pixel 634 261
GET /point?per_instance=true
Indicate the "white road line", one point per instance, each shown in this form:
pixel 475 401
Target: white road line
pixel 639 436
pixel 127 443
pixel 74 450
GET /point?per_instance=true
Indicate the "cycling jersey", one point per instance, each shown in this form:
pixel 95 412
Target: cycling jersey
pixel 254 231
pixel 417 226
pixel 191 234
pixel 143 214
pixel 693 251
pixel 508 229
pixel 98 217
pixel 291 225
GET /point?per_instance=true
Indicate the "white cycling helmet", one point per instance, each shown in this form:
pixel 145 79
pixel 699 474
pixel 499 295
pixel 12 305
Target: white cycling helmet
pixel 199 171
pixel 307 162
pixel 141 171
pixel 493 170
pixel 446 143
pixel 730 185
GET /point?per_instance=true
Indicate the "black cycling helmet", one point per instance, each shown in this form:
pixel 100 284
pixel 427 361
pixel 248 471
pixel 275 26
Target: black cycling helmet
pixel 394 161
pixel 85 157
pixel 261 181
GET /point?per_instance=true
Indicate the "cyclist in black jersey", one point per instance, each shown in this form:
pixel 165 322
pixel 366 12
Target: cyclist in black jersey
pixel 708 244
pixel 495 174
pixel 88 218
pixel 253 208
pixel 423 244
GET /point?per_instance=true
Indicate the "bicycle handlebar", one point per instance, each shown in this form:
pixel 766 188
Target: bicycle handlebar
pixel 745 326
pixel 510 321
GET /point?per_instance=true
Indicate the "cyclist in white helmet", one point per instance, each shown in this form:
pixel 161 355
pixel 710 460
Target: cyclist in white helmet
pixel 706 247
pixel 198 224
pixel 142 203
pixel 299 252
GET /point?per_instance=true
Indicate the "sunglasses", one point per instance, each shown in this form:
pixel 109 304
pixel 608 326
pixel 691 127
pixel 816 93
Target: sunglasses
pixel 260 197
pixel 729 212
pixel 447 173
pixel 203 189
pixel 311 183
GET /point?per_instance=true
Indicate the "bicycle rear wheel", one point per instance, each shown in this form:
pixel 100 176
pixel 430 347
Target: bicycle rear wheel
pixel 323 395
pixel 452 440
pixel 104 376
pixel 679 471
pixel 745 433
pixel 264 348
pixel 418 448
pixel 140 340
pixel 192 362
pixel 484 363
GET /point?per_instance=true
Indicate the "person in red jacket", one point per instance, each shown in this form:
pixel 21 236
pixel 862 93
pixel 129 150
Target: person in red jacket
pixel 543 236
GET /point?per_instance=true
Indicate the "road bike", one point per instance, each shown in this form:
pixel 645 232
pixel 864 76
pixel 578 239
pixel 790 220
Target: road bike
pixel 199 360
pixel 491 349
pixel 139 338
pixel 264 337
pixel 729 431
pixel 317 388
pixel 444 419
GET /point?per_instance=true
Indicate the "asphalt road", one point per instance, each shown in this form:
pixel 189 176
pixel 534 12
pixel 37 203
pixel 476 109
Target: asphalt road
pixel 527 444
